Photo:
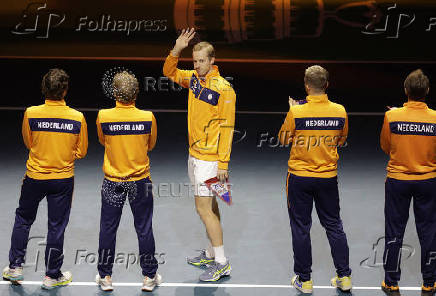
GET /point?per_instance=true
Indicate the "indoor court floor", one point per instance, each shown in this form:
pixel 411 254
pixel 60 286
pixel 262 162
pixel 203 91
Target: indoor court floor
pixel 256 227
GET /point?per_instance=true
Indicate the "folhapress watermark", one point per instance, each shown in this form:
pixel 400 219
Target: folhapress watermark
pixel 39 20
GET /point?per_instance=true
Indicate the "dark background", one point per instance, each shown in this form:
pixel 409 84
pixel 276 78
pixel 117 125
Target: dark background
pixel 368 47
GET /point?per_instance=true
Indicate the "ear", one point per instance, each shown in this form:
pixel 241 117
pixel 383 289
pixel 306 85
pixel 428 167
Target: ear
pixel 327 85
pixel 212 60
pixel 307 88
pixel 428 90
pixel 405 91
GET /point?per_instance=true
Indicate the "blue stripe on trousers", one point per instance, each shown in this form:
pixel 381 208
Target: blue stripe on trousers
pixel 59 194
pixel 302 193
pixel 398 195
pixel 140 196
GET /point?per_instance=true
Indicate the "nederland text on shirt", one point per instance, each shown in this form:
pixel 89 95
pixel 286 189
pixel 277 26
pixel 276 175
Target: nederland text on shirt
pixel 322 123
pixel 55 125
pixel 413 128
pixel 126 128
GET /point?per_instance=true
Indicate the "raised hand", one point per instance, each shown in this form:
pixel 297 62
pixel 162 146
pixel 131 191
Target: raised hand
pixel 293 102
pixel 183 40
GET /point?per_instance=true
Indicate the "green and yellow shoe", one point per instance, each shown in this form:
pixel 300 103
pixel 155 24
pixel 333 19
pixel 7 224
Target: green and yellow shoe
pixel 201 260
pixel 215 272
pixel 48 283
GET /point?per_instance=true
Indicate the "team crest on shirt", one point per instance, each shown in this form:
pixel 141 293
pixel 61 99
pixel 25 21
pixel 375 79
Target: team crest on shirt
pixel 203 93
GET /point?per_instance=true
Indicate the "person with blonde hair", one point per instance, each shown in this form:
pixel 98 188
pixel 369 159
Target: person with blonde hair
pixel 316 129
pixel 211 119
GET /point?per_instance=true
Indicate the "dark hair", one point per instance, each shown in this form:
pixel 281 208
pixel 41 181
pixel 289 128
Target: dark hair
pixel 316 77
pixel 54 84
pixel 417 85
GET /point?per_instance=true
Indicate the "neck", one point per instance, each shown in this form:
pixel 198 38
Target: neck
pixel 316 93
pixel 419 101
pixel 204 76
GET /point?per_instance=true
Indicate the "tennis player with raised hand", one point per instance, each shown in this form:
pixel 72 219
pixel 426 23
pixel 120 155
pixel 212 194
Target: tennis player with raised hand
pixel 56 135
pixel 211 117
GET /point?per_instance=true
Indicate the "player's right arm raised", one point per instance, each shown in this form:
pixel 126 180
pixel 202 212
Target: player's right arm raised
pixel 170 70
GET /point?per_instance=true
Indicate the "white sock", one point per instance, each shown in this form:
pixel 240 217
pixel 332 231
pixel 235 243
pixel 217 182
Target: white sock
pixel 210 252
pixel 219 255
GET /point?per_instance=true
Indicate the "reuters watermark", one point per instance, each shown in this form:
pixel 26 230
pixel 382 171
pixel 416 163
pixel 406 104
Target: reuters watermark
pixel 164 84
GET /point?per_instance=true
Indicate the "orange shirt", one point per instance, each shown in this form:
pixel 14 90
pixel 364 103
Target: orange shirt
pixel 127 134
pixel 211 112
pixel 408 136
pixel 55 135
pixel 314 130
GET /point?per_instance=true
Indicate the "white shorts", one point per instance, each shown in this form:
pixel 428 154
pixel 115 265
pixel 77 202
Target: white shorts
pixel 200 171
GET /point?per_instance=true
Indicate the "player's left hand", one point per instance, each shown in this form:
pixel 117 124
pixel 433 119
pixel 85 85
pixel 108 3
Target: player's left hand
pixel 223 175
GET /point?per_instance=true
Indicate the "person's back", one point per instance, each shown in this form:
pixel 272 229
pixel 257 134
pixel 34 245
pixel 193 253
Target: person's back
pixel 55 135
pixel 408 136
pixel 315 130
pixel 127 135
pixel 52 133
pixel 320 127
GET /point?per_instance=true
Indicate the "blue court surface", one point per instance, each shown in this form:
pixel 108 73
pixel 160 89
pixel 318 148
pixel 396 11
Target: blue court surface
pixel 256 227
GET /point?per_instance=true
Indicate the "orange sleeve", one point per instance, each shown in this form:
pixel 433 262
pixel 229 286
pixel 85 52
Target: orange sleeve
pixel 287 130
pixel 82 144
pixel 99 131
pixel 385 136
pixel 227 108
pixel 27 133
pixel 170 70
pixel 344 133
pixel 153 136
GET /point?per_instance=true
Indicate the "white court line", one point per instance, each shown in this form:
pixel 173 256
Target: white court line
pixel 208 285
pixel 185 111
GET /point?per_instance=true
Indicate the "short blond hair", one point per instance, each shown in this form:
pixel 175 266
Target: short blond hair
pixel 316 77
pixel 210 50
pixel 125 87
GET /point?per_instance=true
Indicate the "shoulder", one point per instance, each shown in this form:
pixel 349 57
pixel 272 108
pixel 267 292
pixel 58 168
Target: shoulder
pixel 145 114
pixel 221 85
pixel 393 113
pixel 338 107
pixel 104 112
pixel 76 114
pixel 34 109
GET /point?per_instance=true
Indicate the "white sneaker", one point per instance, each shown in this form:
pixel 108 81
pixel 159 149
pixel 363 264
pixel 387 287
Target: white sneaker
pixel 14 275
pixel 48 283
pixel 149 283
pixel 105 283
